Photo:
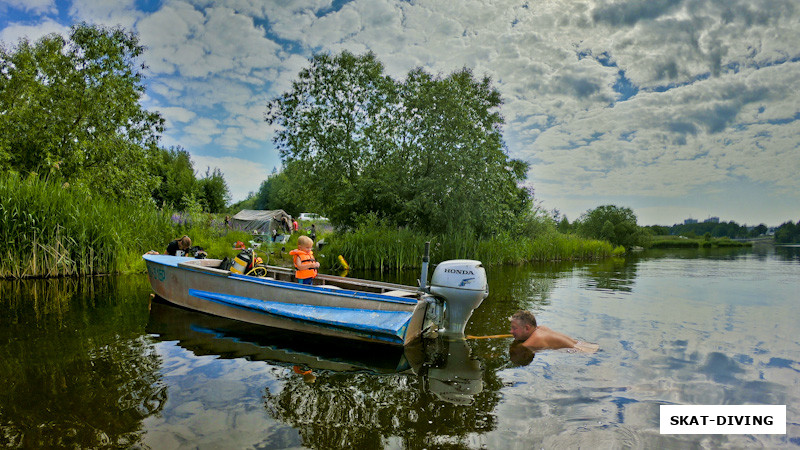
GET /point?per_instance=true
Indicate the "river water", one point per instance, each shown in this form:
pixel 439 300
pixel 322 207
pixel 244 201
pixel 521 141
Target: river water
pixel 91 363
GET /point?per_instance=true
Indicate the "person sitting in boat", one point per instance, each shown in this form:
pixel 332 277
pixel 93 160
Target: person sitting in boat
pixel 305 264
pixel 538 337
pixel 183 246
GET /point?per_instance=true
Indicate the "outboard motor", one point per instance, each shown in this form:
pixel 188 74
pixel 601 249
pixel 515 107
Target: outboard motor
pixel 462 284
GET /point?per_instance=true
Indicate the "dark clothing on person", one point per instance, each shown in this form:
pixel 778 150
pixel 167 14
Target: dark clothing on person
pixel 173 247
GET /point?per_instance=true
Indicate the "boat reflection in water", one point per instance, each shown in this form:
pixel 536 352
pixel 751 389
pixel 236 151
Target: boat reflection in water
pixel 445 368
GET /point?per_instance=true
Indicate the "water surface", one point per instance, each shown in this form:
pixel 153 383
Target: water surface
pixel 88 363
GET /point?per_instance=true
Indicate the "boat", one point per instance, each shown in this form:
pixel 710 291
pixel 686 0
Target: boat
pixel 341 307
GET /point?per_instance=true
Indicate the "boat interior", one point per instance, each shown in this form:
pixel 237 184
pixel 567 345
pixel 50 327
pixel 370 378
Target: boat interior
pixel 322 280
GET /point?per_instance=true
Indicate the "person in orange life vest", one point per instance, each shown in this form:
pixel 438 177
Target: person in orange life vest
pixel 305 264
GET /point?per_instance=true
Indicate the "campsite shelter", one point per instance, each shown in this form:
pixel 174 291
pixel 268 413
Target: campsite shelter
pixel 262 221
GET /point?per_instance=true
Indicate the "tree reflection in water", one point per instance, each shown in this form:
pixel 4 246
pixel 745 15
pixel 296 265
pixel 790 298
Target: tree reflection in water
pixel 77 371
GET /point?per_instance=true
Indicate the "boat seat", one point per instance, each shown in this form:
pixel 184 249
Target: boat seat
pixel 399 293
pixel 328 286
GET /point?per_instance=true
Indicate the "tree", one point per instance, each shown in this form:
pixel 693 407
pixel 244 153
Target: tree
pixel 70 110
pixel 757 231
pixel 788 233
pixel 454 170
pixel 175 170
pixel 563 225
pixel 284 190
pixel 612 223
pixel 426 153
pixel 213 189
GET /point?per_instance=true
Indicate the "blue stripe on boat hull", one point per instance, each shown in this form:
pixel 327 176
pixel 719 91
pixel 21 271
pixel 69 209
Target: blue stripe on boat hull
pixel 384 325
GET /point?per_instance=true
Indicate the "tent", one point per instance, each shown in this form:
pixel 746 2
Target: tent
pixel 262 221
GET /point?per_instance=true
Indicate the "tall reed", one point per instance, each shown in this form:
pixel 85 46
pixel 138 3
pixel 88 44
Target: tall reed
pixel 49 229
pixel 376 246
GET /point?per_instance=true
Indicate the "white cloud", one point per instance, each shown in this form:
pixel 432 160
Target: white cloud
pixel 118 12
pixel 201 132
pixel 14 32
pixel 174 115
pixel 242 176
pixel 33 6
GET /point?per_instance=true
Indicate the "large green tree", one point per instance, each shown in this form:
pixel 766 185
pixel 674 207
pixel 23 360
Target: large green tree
pixel 213 191
pixel 175 169
pixel 426 152
pixel 614 224
pixel 69 109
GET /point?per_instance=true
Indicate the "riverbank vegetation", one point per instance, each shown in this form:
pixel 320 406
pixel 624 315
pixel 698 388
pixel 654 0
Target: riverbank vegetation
pixel 788 233
pixel 715 229
pixel 704 242
pixel 377 245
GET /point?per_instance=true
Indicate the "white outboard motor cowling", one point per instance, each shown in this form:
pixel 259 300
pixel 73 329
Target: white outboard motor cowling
pixel 462 284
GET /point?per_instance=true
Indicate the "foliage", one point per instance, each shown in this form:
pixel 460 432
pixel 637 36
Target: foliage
pixel 175 169
pixel 564 226
pixel 71 112
pixel 658 230
pixel 717 229
pixel 614 224
pixel 285 190
pixel 425 153
pixel 213 191
pixel 788 233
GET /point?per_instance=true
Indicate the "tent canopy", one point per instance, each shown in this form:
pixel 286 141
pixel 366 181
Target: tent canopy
pixel 262 221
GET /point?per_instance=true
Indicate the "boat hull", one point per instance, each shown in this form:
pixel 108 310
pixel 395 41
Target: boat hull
pixel 390 314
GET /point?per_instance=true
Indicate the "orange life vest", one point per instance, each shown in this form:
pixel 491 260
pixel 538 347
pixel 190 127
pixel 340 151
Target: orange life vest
pixel 304 257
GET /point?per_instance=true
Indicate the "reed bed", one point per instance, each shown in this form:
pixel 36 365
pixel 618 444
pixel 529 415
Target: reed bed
pixel 48 229
pixel 382 248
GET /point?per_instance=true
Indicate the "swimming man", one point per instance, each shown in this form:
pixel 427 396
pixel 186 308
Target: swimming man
pixel 539 337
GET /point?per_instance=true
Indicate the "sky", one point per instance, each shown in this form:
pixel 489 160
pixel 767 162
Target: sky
pixel 674 108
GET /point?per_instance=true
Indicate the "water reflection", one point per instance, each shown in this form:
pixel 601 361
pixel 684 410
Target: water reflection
pixel 76 370
pixel 203 334
pixel 519 354
pixel 677 327
pixel 360 395
pixel 788 252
